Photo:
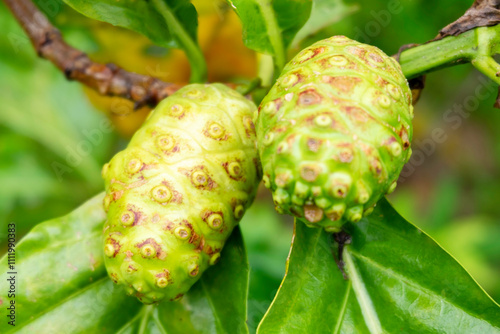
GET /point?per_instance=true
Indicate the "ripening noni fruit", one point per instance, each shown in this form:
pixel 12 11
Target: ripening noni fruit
pixel 334 132
pixel 174 195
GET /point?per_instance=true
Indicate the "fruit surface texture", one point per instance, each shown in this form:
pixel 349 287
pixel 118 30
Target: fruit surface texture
pixel 174 195
pixel 334 132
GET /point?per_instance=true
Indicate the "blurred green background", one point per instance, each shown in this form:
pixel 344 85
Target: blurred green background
pixel 55 135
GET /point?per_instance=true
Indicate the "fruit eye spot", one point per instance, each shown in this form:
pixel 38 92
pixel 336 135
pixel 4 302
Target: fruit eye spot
pixel 105 170
pixel 313 144
pixel 323 120
pixel 375 59
pixel 384 101
pixel 355 214
pixel 338 61
pixel 131 269
pixel 214 259
pixel 109 250
pixel 199 178
pixel 215 221
pixel 248 124
pixel 148 251
pixel 193 269
pixel 394 91
pixel 289 80
pixel 268 138
pixel 266 181
pixel 106 202
pixel 392 187
pixel 395 149
pixel 269 107
pixel 335 212
pixel 339 190
pixel 310 172
pixel 134 166
pixel 308 98
pixel 340 183
pixel 345 155
pixel 194 94
pixel 238 211
pixel 312 213
pixel 282 147
pixel 182 233
pixel 161 194
pixel 363 197
pixel 162 282
pixel 216 131
pixel 283 178
pixel 234 169
pixel 127 218
pixel 165 142
pixel 305 55
pixel 176 110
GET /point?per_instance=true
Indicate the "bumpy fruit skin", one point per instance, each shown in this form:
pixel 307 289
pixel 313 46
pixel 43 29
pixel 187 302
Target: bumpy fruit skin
pixel 174 195
pixel 334 132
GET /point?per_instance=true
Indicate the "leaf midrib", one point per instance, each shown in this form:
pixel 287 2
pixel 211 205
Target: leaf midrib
pixel 274 32
pixel 408 282
pixel 61 302
pixel 218 323
pixel 363 297
pixel 297 291
pixel 340 318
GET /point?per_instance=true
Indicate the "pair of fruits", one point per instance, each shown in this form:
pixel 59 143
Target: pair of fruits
pixel 333 134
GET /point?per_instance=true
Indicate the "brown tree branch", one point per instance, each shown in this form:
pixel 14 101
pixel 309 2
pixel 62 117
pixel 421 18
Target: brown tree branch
pixel 107 79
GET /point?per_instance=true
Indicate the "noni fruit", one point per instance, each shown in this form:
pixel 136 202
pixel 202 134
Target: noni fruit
pixel 334 132
pixel 174 195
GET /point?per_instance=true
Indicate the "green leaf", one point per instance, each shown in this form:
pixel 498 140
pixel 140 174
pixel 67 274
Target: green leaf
pixel 267 239
pixel 23 114
pixel 59 267
pixel 62 286
pixel 323 14
pixel 169 23
pixel 215 304
pixel 218 302
pixel 400 280
pixel 52 141
pixel 269 26
pixel 140 16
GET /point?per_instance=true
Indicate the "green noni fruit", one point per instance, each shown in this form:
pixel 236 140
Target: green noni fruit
pixel 174 195
pixel 334 132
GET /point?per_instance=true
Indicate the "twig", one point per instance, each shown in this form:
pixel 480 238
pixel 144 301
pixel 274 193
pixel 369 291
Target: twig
pixel 193 51
pixel 107 79
pixel 342 239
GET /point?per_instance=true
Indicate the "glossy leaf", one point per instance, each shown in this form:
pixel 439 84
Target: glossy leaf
pixel 169 23
pixel 323 14
pixel 215 304
pixel 400 281
pixel 218 302
pixel 45 171
pixel 269 26
pixel 60 272
pixel 141 16
pixel 71 131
